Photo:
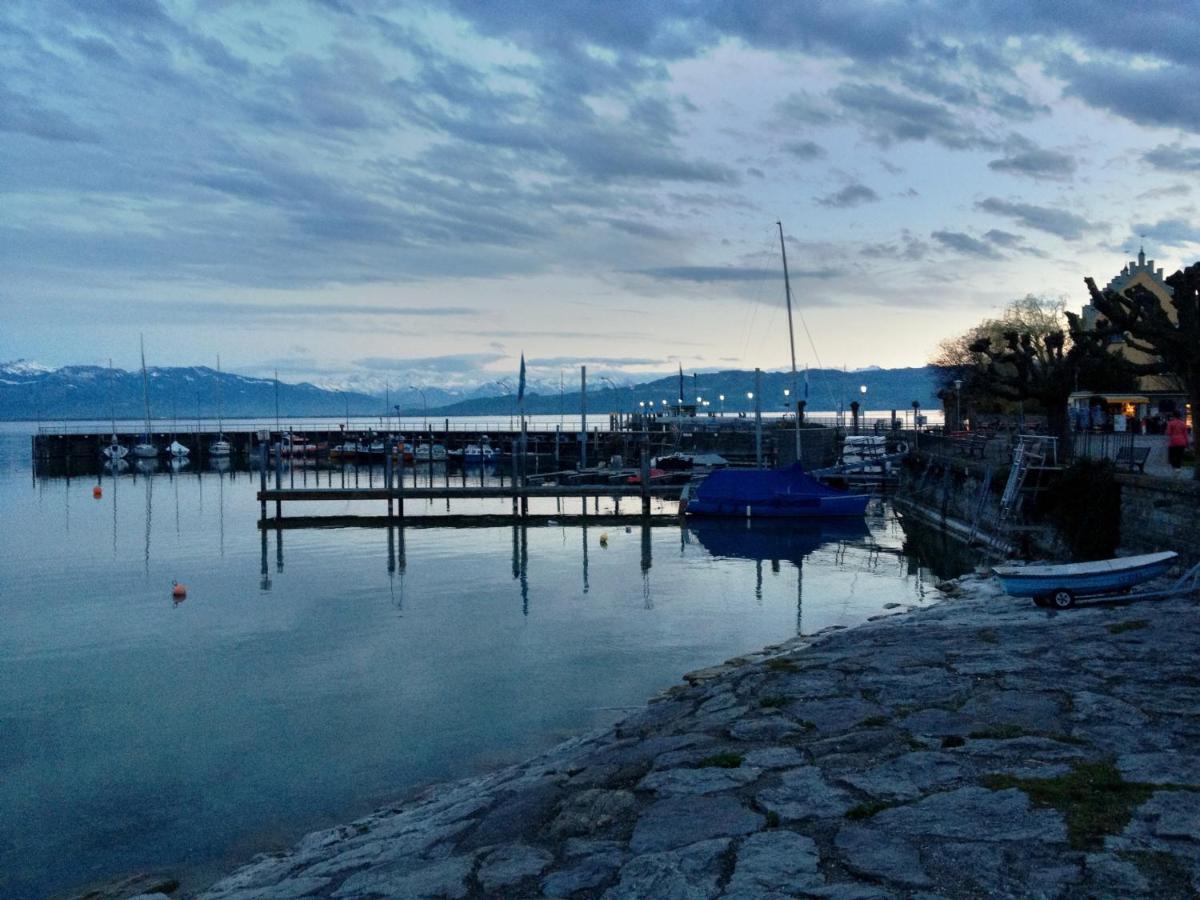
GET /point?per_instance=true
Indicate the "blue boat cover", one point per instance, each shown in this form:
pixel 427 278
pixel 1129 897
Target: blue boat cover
pixel 750 486
pixel 781 493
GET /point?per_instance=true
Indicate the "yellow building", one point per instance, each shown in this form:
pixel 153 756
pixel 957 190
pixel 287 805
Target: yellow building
pixel 1140 272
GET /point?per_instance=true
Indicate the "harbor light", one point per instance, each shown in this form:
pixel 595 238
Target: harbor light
pixel 862 388
pixel 749 395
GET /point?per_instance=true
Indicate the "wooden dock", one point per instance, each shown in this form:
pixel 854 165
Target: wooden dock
pixel 488 492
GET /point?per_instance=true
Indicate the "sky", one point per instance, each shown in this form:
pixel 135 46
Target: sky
pixel 355 190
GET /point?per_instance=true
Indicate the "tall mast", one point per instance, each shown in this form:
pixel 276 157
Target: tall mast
pixel 145 384
pixel 787 289
pixel 220 425
pixel 112 401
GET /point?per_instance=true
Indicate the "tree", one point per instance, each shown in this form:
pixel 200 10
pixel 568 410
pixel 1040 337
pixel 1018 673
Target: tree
pixel 1027 355
pixel 1146 325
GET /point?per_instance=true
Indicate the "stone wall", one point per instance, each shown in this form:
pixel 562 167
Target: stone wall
pixel 1160 514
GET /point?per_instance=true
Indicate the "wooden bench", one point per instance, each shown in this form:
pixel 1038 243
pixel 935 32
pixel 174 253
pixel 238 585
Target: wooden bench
pixel 1132 458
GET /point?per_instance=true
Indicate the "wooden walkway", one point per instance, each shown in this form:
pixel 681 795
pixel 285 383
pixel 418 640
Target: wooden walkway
pixel 469 492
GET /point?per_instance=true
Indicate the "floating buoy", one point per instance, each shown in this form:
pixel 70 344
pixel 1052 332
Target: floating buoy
pixel 97 492
pixel 178 591
pixel 604 539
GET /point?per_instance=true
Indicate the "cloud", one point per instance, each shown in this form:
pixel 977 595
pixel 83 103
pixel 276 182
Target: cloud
pixel 24 115
pixel 1174 158
pixel 889 117
pixel 559 361
pixel 1059 222
pixel 1023 157
pixel 1163 95
pixel 964 243
pixel 1168 232
pixel 850 195
pixel 716 274
pixel 453 362
pixel 805 151
pixel 907 247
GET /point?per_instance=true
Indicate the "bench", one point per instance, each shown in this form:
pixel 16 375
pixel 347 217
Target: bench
pixel 1132 458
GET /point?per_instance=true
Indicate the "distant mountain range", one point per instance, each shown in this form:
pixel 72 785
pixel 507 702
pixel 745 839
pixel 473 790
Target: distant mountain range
pixel 30 391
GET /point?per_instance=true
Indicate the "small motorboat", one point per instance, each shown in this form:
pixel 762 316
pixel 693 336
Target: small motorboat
pixel 1059 585
pixel 115 450
pixel 177 450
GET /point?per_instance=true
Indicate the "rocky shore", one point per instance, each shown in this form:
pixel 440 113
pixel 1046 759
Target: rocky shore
pixel 980 747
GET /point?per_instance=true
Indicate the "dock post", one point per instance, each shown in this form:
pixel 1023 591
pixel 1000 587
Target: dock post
pixel 583 432
pixel 278 478
pixel 645 463
pixel 758 454
pixel 262 485
pixel 387 474
pixel 400 489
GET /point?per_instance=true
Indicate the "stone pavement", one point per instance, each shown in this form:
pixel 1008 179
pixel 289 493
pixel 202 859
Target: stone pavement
pixel 981 747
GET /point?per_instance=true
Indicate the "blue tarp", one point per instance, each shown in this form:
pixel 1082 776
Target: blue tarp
pixel 759 485
pixel 783 493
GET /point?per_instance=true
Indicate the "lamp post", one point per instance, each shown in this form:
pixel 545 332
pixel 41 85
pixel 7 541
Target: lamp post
pixel 424 405
pixel 958 404
pixel 721 397
pixel 862 389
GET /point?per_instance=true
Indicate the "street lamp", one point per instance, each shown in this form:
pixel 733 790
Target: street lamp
pixel 958 404
pixel 721 397
pixel 424 405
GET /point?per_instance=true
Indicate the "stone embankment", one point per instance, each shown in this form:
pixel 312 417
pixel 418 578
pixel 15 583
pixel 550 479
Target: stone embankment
pixel 981 747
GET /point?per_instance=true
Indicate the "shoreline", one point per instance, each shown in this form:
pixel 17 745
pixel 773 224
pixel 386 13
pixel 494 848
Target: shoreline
pixel 946 749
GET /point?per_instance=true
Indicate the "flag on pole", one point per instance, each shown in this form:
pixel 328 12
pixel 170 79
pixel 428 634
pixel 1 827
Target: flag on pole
pixel 521 380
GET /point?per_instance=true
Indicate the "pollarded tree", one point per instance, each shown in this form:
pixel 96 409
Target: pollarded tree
pixel 1037 352
pixel 1147 326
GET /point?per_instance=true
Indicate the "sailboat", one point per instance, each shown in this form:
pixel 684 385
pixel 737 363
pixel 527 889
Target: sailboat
pixel 219 447
pixel 145 448
pixel 779 493
pixel 115 449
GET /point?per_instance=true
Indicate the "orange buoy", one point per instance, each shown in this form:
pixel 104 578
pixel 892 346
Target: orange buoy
pixel 178 591
pixel 97 492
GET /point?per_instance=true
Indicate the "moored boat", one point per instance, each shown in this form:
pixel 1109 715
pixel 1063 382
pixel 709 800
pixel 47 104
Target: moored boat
pixel 772 493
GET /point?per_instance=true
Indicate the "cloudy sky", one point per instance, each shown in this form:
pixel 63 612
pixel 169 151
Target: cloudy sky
pixel 358 187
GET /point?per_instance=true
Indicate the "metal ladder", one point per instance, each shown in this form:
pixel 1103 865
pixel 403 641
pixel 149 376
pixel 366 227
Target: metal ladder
pixel 1028 452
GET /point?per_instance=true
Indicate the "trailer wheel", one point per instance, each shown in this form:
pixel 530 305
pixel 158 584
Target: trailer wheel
pixel 1062 599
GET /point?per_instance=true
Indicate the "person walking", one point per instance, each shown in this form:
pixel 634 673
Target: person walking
pixel 1177 439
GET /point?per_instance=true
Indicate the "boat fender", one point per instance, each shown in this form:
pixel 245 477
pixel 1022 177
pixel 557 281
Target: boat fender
pixel 97 492
pixel 178 591
pixel 604 539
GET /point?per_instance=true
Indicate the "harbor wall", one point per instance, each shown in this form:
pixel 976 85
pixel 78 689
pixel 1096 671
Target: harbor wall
pixel 1160 514
pixel 963 498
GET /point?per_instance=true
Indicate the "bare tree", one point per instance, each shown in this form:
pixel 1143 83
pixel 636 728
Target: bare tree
pixel 1036 352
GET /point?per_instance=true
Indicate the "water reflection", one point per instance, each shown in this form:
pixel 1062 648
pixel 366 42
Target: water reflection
pixel 461 646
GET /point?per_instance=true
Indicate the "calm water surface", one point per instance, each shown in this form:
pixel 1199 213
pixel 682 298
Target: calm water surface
pixel 313 674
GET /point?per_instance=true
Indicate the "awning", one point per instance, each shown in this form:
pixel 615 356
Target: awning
pixel 1108 398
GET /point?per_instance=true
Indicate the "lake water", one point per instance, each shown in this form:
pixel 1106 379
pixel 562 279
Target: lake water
pixel 313 674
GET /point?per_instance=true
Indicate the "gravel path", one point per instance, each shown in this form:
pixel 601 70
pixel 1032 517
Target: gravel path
pixel 979 747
